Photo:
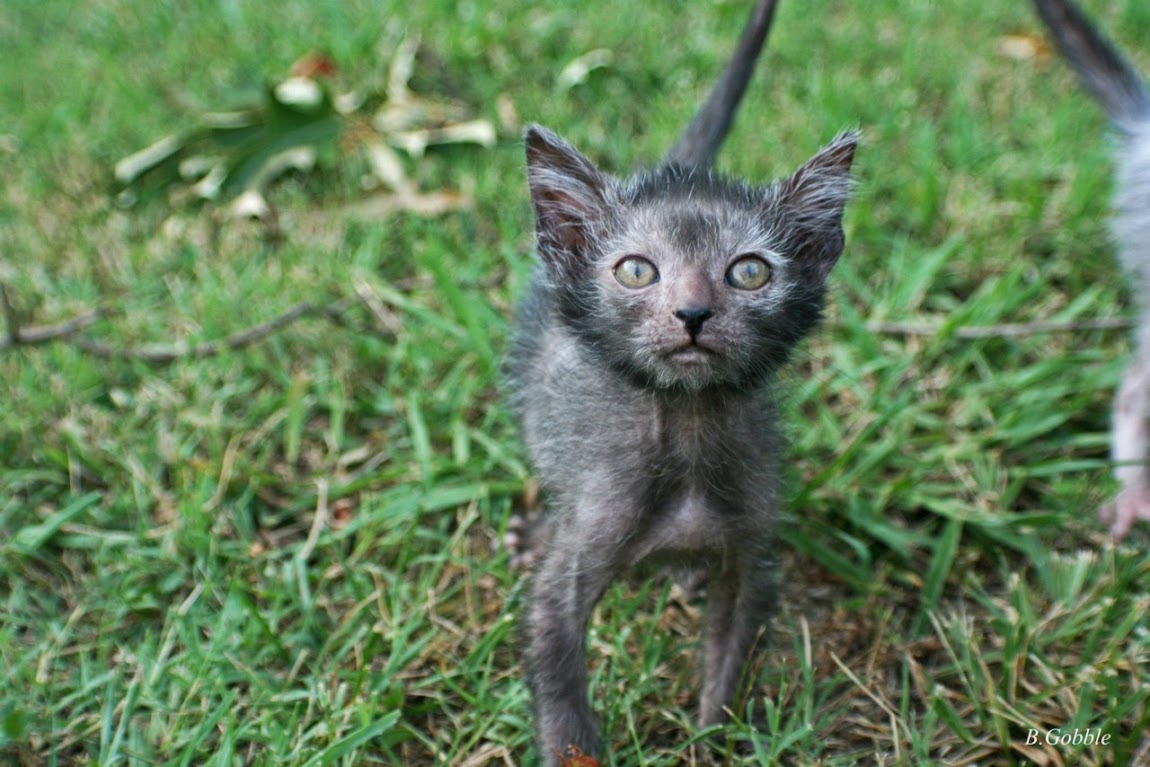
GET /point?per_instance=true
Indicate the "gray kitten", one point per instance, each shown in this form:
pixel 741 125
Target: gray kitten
pixel 642 376
pixel 1117 86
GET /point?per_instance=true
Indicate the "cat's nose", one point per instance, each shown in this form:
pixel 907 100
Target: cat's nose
pixel 693 319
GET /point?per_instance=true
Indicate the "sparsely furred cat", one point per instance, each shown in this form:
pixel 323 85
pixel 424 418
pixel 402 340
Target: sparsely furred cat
pixel 642 374
pixel 1118 87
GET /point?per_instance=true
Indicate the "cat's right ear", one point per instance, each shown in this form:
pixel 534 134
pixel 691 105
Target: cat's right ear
pixel 567 191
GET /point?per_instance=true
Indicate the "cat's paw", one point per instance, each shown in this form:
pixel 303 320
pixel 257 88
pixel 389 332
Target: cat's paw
pixel 1131 504
pixel 525 539
pixel 691 581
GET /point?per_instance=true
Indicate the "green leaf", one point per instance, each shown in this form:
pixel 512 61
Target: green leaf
pixel 31 539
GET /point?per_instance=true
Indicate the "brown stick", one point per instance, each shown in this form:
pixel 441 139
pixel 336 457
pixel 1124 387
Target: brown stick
pixel 162 354
pixel 156 353
pixel 40 334
pixel 10 320
pixel 1005 330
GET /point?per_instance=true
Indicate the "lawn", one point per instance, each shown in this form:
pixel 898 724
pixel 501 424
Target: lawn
pixel 285 550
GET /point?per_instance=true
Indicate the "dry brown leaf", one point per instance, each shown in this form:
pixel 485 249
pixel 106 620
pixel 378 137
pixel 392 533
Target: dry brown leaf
pixel 578 69
pixel 386 166
pixel 313 65
pixel 1024 47
pixel 576 758
pixel 415 142
pixel 508 114
pixel 408 200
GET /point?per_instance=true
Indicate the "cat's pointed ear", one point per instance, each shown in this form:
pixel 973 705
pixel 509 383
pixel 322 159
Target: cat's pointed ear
pixel 567 191
pixel 813 199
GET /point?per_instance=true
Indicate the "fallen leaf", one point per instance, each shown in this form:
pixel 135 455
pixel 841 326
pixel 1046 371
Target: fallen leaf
pixel 576 72
pixel 314 65
pixel 414 113
pixel 233 152
pixel 234 156
pixel 508 114
pixel 402 66
pixel 1025 47
pixel 342 512
pixel 298 158
pixel 300 92
pixel 250 204
pixel 576 758
pixel 423 204
pixel 416 142
pixel 386 166
pixel 134 165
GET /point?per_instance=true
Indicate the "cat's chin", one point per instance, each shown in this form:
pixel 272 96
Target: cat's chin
pixel 690 367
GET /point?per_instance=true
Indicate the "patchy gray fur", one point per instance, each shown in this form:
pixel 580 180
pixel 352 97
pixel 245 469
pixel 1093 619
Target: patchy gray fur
pixel 1112 80
pixel 648 412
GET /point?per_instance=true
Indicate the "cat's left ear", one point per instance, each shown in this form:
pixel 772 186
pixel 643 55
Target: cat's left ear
pixel 567 191
pixel 812 201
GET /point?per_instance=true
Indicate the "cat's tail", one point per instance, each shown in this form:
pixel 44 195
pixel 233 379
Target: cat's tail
pixel 699 143
pixel 1105 72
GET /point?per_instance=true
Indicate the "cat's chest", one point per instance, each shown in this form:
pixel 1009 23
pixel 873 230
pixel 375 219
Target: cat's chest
pixel 710 476
pixel 684 521
pixel 695 436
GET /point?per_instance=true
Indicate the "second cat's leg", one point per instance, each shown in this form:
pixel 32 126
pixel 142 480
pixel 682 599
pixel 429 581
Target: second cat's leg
pixel 568 583
pixel 741 597
pixel 1130 447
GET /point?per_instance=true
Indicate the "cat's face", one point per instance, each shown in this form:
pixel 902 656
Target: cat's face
pixel 690 294
pixel 687 282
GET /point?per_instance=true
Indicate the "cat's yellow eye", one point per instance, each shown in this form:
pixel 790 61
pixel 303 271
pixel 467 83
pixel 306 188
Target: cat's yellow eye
pixel 635 272
pixel 748 273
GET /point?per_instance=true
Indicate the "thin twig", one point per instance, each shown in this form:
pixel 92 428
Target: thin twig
pixel 162 354
pixel 10 319
pixel 42 334
pixel 69 331
pixel 1005 330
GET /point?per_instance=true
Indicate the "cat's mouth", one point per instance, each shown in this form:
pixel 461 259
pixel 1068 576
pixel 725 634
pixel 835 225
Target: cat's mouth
pixel 691 354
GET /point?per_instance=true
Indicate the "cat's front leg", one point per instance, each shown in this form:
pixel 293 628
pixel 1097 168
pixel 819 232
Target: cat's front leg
pixel 567 585
pixel 741 597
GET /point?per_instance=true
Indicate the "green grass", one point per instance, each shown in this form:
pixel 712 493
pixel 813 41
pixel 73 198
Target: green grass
pixel 288 554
